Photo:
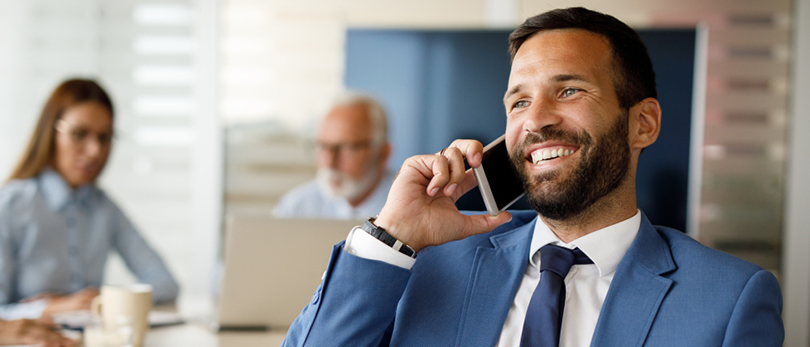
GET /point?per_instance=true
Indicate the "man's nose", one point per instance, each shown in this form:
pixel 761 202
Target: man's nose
pixel 330 157
pixel 543 112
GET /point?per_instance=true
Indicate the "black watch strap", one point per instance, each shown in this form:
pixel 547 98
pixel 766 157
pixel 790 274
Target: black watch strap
pixel 386 238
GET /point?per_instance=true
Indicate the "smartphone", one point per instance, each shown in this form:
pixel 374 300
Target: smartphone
pixel 499 184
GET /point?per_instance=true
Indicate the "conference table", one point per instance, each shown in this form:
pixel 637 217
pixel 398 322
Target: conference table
pixel 197 334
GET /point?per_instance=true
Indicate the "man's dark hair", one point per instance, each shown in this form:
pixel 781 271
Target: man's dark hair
pixel 633 74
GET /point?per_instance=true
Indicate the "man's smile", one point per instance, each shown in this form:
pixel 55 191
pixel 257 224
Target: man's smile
pixel 541 154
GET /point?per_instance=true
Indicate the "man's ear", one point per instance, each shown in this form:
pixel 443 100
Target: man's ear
pixel 645 123
pixel 385 152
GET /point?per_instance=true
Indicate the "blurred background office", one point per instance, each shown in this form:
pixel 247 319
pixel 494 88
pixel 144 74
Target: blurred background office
pixel 217 99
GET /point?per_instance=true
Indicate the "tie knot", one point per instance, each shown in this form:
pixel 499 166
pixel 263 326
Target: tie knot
pixel 560 259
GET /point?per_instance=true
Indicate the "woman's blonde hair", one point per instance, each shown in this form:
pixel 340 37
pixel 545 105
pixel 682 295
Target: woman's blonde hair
pixel 40 150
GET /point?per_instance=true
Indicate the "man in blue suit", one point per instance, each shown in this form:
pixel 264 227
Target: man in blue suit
pixel 580 108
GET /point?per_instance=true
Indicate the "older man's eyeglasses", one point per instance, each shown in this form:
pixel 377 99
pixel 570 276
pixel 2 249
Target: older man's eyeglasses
pixel 341 148
pixel 80 134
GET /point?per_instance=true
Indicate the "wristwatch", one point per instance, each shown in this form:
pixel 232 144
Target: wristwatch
pixel 386 238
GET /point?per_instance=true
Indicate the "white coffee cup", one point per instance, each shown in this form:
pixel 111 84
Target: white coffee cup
pixel 125 305
pixel 97 335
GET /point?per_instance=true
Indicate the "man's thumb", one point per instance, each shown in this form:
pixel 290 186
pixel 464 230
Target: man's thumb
pixel 484 223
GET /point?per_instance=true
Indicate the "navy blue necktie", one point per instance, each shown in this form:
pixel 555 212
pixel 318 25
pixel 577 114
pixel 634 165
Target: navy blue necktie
pixel 544 315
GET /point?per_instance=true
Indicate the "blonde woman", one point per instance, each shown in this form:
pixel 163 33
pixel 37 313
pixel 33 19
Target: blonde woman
pixel 56 226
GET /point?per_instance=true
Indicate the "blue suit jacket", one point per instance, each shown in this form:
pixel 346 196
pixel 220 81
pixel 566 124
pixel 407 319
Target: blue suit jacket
pixel 668 290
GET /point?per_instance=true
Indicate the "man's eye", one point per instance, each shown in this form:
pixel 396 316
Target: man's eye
pixel 520 104
pixel 569 91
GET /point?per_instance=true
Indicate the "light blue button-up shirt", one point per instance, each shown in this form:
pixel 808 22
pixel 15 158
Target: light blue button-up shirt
pixel 311 201
pixel 54 239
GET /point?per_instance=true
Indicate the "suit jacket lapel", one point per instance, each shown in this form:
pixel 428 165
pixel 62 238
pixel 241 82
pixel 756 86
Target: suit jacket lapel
pixel 636 291
pixel 496 274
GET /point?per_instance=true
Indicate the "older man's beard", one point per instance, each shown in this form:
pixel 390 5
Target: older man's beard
pixel 340 185
pixel 602 169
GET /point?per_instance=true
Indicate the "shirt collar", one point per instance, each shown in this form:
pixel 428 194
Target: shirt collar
pixel 606 246
pixel 58 193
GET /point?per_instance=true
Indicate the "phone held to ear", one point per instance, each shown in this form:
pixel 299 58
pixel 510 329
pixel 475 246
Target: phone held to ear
pixel 499 184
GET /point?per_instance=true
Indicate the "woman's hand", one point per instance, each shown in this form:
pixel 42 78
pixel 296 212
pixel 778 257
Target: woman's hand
pixel 26 331
pixel 77 301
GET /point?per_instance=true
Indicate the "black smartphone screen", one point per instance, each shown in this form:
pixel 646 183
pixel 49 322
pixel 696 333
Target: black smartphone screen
pixel 504 183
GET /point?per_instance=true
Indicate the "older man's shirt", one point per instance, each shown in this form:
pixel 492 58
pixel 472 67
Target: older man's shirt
pixel 56 240
pixel 586 285
pixel 311 201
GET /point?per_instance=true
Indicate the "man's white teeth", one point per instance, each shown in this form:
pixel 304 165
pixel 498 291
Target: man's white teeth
pixel 546 154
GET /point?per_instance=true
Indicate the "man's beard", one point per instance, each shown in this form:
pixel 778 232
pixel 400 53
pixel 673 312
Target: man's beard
pixel 340 185
pixel 602 169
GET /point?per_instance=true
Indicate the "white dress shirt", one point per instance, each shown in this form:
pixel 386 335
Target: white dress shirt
pixel 586 285
pixel 310 201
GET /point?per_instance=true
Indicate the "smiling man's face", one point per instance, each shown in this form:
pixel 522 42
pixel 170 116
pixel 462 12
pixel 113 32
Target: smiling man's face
pixel 566 134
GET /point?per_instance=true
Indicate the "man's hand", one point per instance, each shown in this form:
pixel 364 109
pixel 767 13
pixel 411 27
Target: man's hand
pixel 421 211
pixel 26 331
pixel 77 301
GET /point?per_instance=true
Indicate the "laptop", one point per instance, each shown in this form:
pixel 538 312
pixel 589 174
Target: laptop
pixel 272 267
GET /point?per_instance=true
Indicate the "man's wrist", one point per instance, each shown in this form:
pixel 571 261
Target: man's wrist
pixel 381 234
pixel 398 233
pixel 386 224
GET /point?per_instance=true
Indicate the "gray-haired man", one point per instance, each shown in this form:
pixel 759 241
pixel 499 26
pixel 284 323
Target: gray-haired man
pixel 352 151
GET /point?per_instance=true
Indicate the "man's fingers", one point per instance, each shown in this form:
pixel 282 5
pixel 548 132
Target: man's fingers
pixel 440 172
pixel 455 160
pixel 467 183
pixel 482 223
pixel 433 171
pixel 471 149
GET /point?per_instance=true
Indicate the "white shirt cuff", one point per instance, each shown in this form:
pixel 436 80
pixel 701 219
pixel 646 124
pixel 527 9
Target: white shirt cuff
pixel 25 310
pixel 363 245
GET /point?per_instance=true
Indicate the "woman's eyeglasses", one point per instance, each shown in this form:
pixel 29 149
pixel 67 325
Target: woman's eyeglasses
pixel 79 134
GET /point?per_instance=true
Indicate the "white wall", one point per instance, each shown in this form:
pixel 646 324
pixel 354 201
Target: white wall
pixel 206 161
pixel 796 260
